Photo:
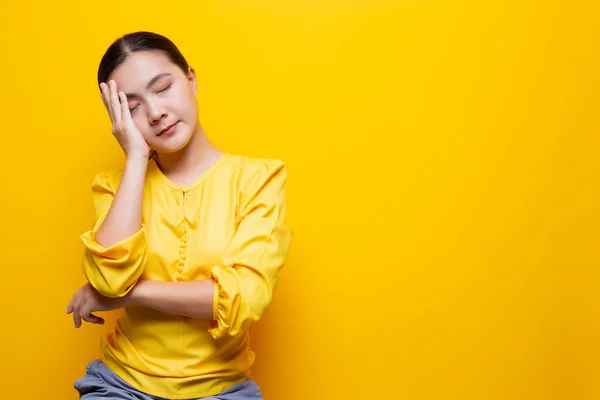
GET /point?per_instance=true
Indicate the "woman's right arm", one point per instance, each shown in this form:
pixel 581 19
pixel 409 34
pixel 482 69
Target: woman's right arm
pixel 116 246
pixel 125 215
pixel 124 218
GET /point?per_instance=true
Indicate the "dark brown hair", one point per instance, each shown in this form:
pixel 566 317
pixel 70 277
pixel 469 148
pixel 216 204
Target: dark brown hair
pixel 124 46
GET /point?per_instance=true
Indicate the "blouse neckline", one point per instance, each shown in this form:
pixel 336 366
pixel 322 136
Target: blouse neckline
pixel 162 177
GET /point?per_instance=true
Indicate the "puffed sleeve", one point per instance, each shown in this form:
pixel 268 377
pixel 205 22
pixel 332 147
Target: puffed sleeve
pixel 114 270
pixel 245 282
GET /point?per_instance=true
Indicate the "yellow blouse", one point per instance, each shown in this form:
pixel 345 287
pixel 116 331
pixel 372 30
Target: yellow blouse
pixel 228 226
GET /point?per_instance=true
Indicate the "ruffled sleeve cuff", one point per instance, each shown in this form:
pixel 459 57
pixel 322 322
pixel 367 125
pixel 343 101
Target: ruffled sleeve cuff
pixel 114 270
pixel 225 305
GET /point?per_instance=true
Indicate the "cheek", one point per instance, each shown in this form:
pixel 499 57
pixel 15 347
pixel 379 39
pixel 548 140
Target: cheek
pixel 187 106
pixel 141 122
pixel 192 112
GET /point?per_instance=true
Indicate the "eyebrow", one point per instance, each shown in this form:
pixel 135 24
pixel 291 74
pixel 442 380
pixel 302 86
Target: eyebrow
pixel 149 85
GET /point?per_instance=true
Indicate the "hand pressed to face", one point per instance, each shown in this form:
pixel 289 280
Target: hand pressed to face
pixel 160 100
pixel 87 300
pixel 123 127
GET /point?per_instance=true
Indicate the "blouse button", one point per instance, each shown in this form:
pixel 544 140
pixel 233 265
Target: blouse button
pixel 183 257
pixel 181 263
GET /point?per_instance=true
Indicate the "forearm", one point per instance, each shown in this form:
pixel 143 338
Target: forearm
pixel 192 299
pixel 125 215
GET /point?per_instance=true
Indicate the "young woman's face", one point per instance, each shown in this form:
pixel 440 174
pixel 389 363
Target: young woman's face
pixel 160 96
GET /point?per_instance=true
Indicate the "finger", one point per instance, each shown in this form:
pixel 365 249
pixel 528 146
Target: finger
pixel 69 309
pixel 72 302
pixel 85 311
pixel 76 317
pixel 114 102
pixel 94 319
pixel 125 113
pixel 106 100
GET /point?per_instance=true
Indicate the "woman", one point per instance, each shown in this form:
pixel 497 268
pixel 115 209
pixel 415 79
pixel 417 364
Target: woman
pixel 188 240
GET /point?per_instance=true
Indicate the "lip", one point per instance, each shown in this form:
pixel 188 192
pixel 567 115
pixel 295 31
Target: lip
pixel 168 129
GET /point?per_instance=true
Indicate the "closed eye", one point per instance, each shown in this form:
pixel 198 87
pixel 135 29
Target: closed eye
pixel 165 88
pixel 131 109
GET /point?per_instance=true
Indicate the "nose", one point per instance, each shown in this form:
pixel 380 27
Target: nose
pixel 155 112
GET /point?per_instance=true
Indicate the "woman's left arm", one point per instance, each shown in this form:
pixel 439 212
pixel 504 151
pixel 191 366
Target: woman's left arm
pixel 192 299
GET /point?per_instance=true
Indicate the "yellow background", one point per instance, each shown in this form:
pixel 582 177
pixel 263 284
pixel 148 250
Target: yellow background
pixel 443 166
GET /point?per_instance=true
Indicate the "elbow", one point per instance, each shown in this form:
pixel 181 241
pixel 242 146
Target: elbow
pixel 253 301
pixel 259 305
pixel 113 271
pixel 234 317
pixel 110 280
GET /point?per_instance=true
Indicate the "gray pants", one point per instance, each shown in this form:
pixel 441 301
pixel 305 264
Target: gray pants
pixel 100 383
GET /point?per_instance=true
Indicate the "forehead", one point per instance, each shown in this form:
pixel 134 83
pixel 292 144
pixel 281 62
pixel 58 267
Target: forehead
pixel 140 67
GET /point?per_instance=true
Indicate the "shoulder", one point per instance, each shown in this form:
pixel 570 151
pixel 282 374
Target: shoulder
pixel 252 167
pixel 106 181
pixel 256 171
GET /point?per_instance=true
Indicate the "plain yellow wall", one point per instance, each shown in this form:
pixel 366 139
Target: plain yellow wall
pixel 443 187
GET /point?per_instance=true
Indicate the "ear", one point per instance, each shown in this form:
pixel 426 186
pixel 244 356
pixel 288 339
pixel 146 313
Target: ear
pixel 192 79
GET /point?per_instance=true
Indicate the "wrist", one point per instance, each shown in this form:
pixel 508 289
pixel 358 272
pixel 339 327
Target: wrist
pixel 136 164
pixel 137 158
pixel 134 297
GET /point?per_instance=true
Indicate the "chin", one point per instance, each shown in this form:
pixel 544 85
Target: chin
pixel 172 144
